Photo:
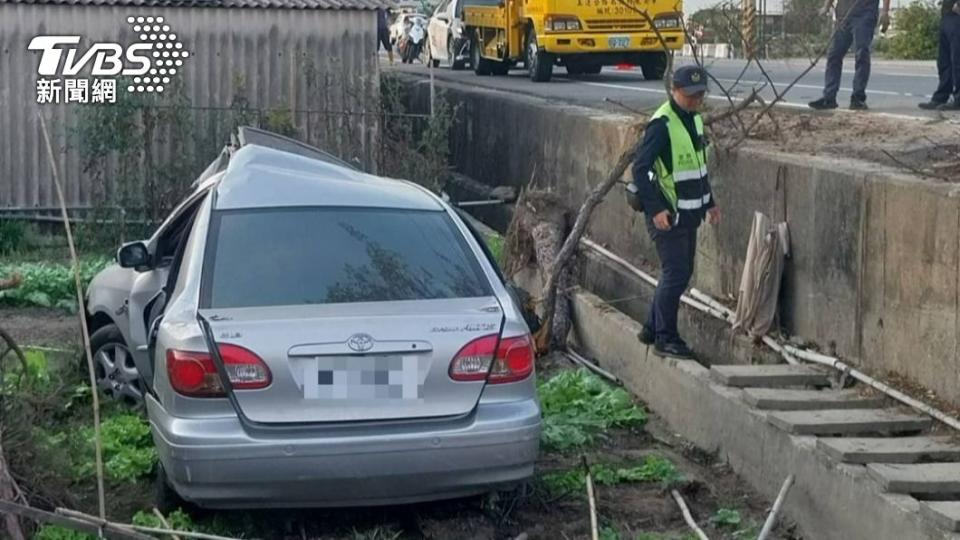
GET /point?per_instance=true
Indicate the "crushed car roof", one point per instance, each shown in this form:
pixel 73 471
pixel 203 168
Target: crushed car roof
pixel 261 177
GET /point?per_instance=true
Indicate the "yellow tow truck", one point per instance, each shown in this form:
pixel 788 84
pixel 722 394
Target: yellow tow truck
pixel 582 35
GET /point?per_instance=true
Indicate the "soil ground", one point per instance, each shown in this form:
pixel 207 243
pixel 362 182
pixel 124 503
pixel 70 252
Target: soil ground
pixel 922 147
pixel 630 509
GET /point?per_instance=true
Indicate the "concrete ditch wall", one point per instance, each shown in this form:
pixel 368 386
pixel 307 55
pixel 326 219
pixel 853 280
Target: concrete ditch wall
pixel 874 274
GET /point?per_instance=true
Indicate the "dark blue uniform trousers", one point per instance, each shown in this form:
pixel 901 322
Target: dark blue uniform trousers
pixel 676 249
pixel 948 59
pixel 856 29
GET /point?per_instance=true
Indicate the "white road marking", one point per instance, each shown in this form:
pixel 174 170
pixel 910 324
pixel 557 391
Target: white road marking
pixel 660 91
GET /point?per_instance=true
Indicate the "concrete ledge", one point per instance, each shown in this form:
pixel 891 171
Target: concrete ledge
pixel 895 450
pixel 774 376
pixel 808 400
pixel 830 501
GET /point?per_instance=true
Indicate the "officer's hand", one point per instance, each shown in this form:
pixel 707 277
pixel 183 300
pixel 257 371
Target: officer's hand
pixel 713 215
pixel 885 22
pixel 662 221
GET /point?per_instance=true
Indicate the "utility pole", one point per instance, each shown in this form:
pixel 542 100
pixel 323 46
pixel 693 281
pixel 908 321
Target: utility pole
pixel 748 19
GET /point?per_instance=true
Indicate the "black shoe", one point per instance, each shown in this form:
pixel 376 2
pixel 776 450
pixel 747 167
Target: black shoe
pixel 952 105
pixel 647 336
pixel 674 349
pixel 858 105
pixel 931 105
pixel 823 104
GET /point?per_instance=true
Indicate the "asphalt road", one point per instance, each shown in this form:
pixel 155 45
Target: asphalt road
pixel 895 87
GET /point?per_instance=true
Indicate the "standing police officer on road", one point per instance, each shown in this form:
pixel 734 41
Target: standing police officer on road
pixel 670 185
pixel 947 96
pixel 856 25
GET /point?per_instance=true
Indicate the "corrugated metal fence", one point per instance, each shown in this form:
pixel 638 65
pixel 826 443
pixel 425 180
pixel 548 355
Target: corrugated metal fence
pixel 312 70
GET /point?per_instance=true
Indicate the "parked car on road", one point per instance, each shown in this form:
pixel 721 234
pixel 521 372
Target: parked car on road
pixel 304 334
pixel 446 41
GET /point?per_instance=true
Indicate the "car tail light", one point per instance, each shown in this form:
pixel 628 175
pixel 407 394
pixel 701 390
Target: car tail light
pixel 194 373
pixel 514 360
pixel 472 363
pixel 509 360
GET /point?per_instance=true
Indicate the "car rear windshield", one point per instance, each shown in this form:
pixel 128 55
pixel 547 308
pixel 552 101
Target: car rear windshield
pixel 281 257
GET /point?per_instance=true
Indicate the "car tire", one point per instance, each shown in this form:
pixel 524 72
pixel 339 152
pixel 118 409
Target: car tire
pixel 653 66
pixel 114 369
pixel 431 60
pixel 539 62
pixel 481 66
pixel 452 56
pixel 165 498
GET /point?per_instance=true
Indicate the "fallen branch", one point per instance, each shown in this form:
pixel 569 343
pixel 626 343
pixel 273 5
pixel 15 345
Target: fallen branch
pixel 82 525
pixel 166 524
pixel 778 97
pixel 687 517
pixel 735 110
pixel 663 42
pixel 10 491
pixel 773 118
pixel 594 529
pixel 777 505
pixel 911 168
pixel 573 239
pixel 138 528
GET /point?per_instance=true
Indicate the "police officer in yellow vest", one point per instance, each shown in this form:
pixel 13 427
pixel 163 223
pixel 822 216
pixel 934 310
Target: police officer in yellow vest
pixel 670 185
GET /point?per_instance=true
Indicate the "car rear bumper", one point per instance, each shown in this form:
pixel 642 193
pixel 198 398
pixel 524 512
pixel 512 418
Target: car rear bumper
pixel 598 42
pixel 215 463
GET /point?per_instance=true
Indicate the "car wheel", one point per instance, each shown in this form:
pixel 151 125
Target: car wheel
pixel 114 369
pixel 430 58
pixel 452 55
pixel 653 66
pixel 539 62
pixel 164 497
pixel 481 66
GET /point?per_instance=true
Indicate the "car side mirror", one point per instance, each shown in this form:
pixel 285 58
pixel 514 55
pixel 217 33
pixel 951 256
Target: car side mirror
pixel 133 255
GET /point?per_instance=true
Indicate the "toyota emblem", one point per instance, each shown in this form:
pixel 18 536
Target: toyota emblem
pixel 360 342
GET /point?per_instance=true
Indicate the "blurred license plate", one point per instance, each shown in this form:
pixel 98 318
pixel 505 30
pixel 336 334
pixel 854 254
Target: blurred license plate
pixel 618 42
pixel 364 378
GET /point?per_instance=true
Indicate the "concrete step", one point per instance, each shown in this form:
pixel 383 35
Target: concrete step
pixel 781 399
pixel 943 513
pixel 768 376
pixel 917 478
pixel 847 422
pixel 891 450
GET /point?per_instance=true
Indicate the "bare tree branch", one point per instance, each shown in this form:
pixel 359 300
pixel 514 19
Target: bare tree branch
pixel 913 169
pixel 573 239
